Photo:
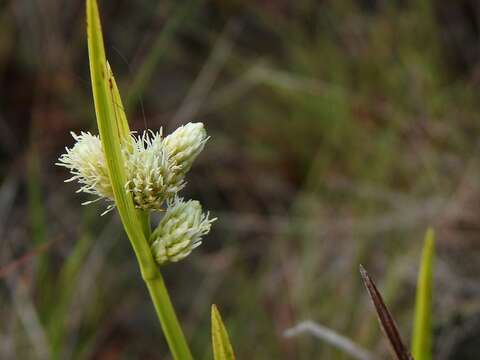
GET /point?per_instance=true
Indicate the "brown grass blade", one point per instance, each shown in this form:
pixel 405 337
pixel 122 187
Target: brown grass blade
pixel 385 318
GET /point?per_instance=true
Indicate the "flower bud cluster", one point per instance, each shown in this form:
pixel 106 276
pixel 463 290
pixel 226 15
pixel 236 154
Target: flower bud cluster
pixel 153 174
pixel 180 231
pixel 185 144
pixel 155 168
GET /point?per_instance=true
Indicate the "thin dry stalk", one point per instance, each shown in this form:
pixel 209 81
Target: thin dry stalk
pixel 332 337
pixel 387 323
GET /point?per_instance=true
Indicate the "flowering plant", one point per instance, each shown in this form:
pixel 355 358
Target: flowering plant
pixel 139 174
pixel 155 169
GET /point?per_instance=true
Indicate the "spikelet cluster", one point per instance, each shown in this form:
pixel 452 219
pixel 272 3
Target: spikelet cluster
pixel 180 231
pixel 185 144
pixel 152 173
pixel 155 168
pixel 87 164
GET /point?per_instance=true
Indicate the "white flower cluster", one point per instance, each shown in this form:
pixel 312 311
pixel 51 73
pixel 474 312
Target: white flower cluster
pixel 155 169
pixel 86 162
pixel 180 231
pixel 153 173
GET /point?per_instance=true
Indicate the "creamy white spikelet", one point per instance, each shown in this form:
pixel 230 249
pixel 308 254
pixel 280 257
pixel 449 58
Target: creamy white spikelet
pixel 86 162
pixel 155 166
pixel 180 231
pixel 184 145
pixel 152 176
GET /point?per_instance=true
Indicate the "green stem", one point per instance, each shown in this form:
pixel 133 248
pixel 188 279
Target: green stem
pixel 163 305
pixel 159 295
pixel 112 126
pixel 168 319
pixel 144 218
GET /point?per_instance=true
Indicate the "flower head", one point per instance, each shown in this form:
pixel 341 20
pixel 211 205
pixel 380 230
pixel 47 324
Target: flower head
pixel 155 166
pixel 184 145
pixel 151 174
pixel 86 162
pixel 180 231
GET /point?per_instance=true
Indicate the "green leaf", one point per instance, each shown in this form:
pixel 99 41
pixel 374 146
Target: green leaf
pixel 124 129
pixel 125 138
pixel 222 349
pixel 422 329
pixel 113 126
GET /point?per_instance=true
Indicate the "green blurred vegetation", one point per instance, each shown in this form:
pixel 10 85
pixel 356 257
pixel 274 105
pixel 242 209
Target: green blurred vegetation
pixel 340 131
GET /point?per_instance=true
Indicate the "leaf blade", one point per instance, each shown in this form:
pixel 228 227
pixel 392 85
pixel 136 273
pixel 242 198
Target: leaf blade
pixel 222 348
pixel 422 328
pixel 123 127
pixel 112 123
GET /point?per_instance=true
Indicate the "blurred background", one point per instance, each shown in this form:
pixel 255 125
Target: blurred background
pixel 340 130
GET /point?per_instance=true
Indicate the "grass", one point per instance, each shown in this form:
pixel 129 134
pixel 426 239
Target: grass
pixel 422 331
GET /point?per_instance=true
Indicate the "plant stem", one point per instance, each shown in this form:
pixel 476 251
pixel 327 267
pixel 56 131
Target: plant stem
pixel 168 319
pixel 163 305
pixel 112 126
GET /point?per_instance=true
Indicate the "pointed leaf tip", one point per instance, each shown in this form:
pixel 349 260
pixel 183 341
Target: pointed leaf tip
pixel 385 318
pixel 422 328
pixel 222 348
